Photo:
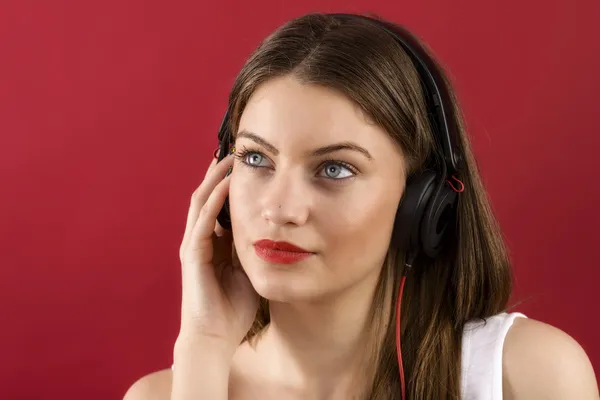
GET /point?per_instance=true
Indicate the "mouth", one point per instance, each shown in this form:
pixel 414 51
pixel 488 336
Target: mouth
pixel 280 252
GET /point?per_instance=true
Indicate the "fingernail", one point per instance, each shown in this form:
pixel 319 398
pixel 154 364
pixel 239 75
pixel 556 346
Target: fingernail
pixel 216 153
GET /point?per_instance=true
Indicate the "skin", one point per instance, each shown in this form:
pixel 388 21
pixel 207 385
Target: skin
pixel 343 213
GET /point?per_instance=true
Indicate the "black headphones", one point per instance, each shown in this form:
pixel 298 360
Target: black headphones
pixel 426 213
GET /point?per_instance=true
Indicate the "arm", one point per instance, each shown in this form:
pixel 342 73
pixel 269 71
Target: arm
pixel 542 362
pixel 201 370
pixel 210 381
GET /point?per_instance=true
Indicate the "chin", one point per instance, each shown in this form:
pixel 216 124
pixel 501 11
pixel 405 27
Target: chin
pixel 283 283
pixel 281 294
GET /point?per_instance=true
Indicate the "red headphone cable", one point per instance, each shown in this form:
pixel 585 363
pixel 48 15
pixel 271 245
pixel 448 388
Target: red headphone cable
pixel 407 269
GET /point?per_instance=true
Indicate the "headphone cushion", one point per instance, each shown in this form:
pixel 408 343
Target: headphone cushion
pixel 411 210
pixel 439 220
pixel 224 217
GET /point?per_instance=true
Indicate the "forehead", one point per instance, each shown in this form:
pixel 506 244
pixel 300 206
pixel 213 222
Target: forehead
pixel 285 110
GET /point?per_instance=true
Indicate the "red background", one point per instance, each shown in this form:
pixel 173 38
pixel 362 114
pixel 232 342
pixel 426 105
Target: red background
pixel 108 119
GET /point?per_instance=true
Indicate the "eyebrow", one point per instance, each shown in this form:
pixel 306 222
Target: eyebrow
pixel 315 153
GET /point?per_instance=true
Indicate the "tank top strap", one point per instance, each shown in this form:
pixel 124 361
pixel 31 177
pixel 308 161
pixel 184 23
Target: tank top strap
pixel 481 365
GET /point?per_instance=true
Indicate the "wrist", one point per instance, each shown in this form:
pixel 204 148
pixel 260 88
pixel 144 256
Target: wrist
pixel 201 346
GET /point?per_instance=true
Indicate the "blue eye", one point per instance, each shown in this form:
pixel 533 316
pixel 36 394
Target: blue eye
pixel 253 159
pixel 336 170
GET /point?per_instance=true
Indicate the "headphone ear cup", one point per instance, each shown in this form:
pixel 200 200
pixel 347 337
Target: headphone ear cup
pixel 224 217
pixel 411 210
pixel 439 220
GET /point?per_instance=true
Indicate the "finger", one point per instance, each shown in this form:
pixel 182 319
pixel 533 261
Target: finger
pixel 214 161
pixel 219 230
pixel 199 243
pixel 207 216
pixel 202 193
pixel 212 164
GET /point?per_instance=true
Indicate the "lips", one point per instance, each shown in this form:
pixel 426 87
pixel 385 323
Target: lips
pixel 280 252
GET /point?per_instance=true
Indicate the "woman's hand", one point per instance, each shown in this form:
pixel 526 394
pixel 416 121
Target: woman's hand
pixel 218 301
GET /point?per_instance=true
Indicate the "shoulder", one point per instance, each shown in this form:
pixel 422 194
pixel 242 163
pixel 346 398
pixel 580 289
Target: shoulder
pixel 540 361
pixel 154 386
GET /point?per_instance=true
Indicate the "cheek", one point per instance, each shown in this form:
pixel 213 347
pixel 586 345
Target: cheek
pixel 359 232
pixel 243 204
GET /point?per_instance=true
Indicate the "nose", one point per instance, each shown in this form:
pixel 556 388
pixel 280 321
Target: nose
pixel 286 200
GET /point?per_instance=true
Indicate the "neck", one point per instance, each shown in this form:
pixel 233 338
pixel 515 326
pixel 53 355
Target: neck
pixel 321 347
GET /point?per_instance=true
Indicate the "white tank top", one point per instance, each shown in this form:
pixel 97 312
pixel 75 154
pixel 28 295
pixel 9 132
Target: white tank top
pixel 481 365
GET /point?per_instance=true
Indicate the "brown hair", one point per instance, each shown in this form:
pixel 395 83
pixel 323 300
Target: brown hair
pixel 471 279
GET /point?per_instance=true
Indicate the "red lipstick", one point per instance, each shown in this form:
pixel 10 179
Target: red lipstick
pixel 280 252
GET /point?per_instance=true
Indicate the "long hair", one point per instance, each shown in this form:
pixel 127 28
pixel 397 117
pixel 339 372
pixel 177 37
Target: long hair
pixel 471 279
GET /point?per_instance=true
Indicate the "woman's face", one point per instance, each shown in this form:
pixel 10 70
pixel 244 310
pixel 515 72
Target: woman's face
pixel 312 171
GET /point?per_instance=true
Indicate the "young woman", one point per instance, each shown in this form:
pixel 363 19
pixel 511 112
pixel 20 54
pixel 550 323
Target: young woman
pixel 355 203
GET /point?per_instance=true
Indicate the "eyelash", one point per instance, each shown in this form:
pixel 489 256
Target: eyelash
pixel 242 153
